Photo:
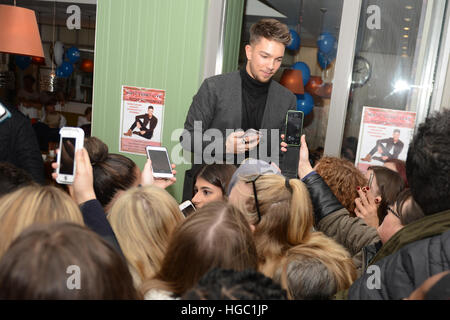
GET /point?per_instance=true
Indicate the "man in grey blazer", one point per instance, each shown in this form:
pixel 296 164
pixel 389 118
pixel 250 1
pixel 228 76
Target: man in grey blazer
pixel 245 99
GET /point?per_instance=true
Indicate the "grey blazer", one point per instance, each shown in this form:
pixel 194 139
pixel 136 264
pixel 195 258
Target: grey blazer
pixel 218 104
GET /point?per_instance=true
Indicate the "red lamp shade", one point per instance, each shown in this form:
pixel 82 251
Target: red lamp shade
pixel 87 65
pixel 292 79
pixel 19 33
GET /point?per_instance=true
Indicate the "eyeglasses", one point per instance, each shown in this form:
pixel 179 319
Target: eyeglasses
pixel 252 181
pixel 393 212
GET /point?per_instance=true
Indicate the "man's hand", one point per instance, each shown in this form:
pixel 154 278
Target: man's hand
pixel 142 131
pixel 237 143
pixel 384 158
pixel 147 178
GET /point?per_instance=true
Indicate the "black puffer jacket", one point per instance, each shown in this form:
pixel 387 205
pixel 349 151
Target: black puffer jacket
pixel 19 146
pixel 334 220
pixel 405 270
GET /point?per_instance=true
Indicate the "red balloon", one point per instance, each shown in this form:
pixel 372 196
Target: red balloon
pixel 38 60
pixel 313 85
pixel 87 65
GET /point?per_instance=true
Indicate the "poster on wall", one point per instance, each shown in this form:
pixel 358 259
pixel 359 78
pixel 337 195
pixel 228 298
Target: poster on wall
pixel 384 134
pixel 141 119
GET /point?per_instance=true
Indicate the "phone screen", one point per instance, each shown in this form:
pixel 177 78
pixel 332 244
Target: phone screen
pixel 294 125
pixel 188 210
pixel 67 156
pixel 160 161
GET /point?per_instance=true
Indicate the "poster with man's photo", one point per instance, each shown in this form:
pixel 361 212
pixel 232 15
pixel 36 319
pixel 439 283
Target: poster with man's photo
pixel 141 119
pixel 384 134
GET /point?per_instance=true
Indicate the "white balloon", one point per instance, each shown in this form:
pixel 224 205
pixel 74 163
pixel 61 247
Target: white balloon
pixel 59 52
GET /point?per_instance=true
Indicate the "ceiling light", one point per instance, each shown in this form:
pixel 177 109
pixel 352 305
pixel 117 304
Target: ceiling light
pixel 405 48
pixel 408 7
pixel 406 28
pixel 405 36
pixel 407 19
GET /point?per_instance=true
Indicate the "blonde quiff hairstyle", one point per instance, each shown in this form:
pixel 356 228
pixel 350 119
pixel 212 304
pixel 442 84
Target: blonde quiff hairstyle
pixel 143 220
pixel 34 205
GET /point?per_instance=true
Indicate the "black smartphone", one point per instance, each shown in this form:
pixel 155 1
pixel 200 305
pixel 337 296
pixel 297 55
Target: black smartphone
pixel 294 127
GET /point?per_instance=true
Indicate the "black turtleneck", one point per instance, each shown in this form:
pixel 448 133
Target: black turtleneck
pixel 254 96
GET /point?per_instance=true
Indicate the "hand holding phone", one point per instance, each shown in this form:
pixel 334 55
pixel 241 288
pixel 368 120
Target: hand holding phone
pixel 161 167
pixel 294 127
pixel 187 208
pixel 71 140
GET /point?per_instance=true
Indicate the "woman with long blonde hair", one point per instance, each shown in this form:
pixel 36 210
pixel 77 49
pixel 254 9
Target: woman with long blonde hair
pixel 143 220
pixel 281 213
pixel 34 205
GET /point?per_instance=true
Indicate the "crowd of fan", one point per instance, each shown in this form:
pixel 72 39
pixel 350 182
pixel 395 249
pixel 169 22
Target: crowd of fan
pixel 255 234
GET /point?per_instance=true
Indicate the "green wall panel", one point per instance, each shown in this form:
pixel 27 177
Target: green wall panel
pixel 153 44
pixel 233 32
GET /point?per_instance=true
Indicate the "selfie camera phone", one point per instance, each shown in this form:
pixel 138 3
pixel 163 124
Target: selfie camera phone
pixel 294 127
pixel 187 208
pixel 161 166
pixel 71 140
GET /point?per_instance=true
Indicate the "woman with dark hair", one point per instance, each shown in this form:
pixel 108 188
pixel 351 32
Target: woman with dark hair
pixel 216 236
pixel 211 183
pixel 400 212
pixel 398 166
pixel 384 187
pixel 63 261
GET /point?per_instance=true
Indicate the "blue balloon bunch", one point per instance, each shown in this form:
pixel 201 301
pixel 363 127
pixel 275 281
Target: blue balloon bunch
pixel 295 42
pixel 327 49
pixel 66 68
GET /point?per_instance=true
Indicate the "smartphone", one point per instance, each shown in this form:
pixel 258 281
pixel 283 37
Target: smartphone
pixel 160 162
pixel 252 132
pixel 294 127
pixel 71 140
pixel 187 208
pixel 4 113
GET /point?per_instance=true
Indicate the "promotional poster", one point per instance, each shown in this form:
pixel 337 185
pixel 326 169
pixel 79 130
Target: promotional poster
pixel 384 134
pixel 141 120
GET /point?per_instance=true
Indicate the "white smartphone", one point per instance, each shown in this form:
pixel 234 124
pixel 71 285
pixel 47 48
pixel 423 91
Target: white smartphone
pixel 71 140
pixel 4 113
pixel 160 162
pixel 187 208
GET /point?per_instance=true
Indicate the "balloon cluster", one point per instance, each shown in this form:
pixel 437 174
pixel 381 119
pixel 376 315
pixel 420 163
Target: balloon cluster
pixel 65 68
pixel 305 102
pixel 327 49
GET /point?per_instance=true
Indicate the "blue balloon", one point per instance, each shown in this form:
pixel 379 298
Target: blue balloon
pixel 324 60
pixel 295 42
pixel 23 62
pixel 64 70
pixel 73 54
pixel 306 72
pixel 59 73
pixel 326 42
pixel 305 103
